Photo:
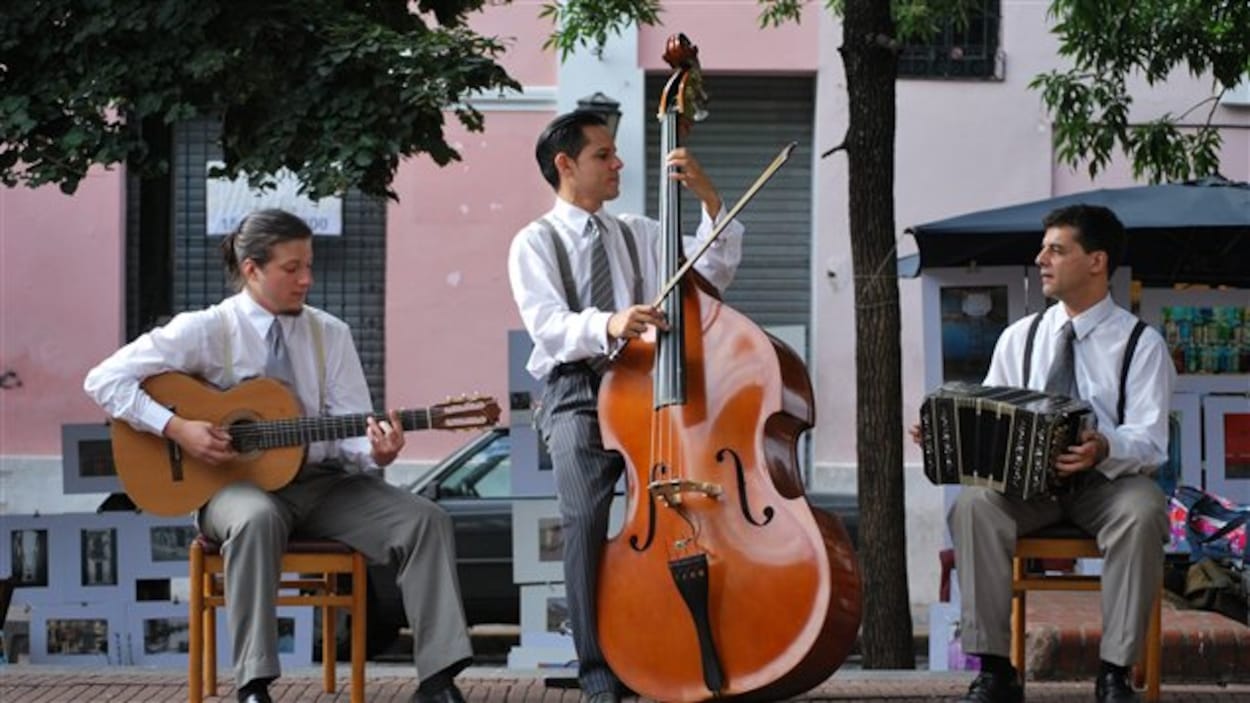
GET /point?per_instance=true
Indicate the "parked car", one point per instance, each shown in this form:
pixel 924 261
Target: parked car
pixel 474 485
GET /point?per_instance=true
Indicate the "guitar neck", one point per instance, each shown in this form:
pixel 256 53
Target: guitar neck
pixel 297 431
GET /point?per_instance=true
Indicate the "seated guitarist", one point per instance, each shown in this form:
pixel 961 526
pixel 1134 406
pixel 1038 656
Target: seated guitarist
pixel 267 330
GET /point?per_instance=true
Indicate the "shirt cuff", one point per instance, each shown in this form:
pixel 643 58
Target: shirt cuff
pixel 154 418
pixel 599 323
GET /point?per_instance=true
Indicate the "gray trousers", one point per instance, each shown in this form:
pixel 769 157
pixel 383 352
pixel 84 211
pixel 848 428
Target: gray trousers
pixel 585 475
pixel 384 523
pixel 1128 518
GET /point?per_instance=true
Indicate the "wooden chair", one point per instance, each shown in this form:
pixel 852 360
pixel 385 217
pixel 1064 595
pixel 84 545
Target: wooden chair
pixel 1067 541
pixel 319 563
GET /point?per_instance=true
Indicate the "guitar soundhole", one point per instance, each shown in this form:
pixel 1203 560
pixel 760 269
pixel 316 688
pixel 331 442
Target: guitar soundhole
pixel 245 442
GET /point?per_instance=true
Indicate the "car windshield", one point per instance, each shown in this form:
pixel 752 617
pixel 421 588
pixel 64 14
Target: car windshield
pixel 483 473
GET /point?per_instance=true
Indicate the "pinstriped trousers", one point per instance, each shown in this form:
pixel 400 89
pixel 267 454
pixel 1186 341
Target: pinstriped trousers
pixel 1127 516
pixel 585 475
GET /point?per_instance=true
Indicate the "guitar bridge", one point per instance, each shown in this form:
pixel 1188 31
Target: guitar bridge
pixel 175 460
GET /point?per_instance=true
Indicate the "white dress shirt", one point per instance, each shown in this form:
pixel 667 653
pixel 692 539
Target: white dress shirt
pixel 1139 445
pixel 195 343
pixel 561 335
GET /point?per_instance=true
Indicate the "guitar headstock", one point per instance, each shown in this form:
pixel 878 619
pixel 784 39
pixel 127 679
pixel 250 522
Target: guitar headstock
pixel 465 413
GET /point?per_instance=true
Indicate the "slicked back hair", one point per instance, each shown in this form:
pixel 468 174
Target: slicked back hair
pixel 563 135
pixel 1096 228
pixel 255 238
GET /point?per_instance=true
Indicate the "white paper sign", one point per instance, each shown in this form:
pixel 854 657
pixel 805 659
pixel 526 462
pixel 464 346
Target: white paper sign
pixel 229 201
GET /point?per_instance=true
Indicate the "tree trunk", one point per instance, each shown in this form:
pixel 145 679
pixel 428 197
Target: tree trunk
pixel 871 68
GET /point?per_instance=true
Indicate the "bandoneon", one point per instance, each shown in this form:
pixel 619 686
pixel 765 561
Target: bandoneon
pixel 1003 438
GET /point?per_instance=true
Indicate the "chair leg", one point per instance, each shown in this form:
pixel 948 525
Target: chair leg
pixel 1018 624
pixel 210 639
pixel 329 640
pixel 1154 649
pixel 360 621
pixel 195 658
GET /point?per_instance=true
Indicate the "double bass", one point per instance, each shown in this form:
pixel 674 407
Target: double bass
pixel 723 581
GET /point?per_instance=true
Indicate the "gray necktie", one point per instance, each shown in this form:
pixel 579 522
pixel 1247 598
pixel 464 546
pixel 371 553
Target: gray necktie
pixel 600 273
pixel 278 363
pixel 1062 377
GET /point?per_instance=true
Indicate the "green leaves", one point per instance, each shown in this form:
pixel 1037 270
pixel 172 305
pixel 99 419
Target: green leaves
pixel 589 22
pixel 336 90
pixel 1113 41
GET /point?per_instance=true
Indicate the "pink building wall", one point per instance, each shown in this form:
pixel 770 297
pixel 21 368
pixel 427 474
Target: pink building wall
pixel 961 146
pixel 61 294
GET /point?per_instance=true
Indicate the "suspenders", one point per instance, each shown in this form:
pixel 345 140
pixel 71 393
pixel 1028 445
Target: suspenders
pixel 1125 362
pixel 566 271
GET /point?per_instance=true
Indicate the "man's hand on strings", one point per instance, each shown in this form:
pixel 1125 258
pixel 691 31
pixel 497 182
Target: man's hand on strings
pixel 205 442
pixel 386 437
pixel 632 321
pixel 689 173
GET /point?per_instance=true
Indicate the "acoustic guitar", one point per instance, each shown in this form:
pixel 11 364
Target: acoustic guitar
pixel 267 430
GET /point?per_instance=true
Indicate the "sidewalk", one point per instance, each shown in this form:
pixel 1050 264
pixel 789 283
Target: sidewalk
pixel 389 683
pixel 1206 657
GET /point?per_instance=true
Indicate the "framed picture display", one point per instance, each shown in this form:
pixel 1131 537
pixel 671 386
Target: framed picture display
pixel 158 634
pixel 1226 422
pixel 295 636
pixel 28 544
pixel 545 616
pixel 77 634
pixel 87 459
pixel 90 547
pixel 1184 464
pixel 530 461
pixel 965 311
pixel 162 545
pixel 1207 333
pixel 538 539
pixel 546 638
pixel 24 545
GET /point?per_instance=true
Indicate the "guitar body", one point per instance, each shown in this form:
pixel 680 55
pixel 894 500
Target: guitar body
pixel 161 479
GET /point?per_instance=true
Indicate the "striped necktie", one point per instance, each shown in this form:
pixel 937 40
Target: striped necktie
pixel 600 273
pixel 1062 377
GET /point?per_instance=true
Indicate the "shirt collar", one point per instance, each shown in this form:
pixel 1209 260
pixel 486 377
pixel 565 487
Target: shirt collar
pixel 575 217
pixel 260 318
pixel 1085 322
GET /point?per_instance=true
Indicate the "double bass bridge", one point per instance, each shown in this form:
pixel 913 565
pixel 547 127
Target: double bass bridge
pixel 673 491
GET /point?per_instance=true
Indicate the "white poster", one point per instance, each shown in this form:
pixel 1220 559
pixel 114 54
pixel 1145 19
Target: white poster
pixel 228 201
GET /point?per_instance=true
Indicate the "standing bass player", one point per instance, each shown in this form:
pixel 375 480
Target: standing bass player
pixel 267 330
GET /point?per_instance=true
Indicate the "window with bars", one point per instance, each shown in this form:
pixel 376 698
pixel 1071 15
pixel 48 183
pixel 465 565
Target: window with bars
pixel 957 50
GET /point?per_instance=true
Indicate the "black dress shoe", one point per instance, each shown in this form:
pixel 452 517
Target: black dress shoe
pixel 255 691
pixel 994 688
pixel 449 694
pixel 1113 687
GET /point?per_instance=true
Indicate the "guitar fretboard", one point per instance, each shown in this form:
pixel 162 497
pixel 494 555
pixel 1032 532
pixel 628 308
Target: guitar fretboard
pixel 291 432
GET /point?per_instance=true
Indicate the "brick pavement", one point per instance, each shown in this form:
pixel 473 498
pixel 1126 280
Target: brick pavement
pixel 390 684
pixel 1206 658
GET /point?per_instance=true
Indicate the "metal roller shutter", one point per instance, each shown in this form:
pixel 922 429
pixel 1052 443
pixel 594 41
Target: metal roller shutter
pixel 750 119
